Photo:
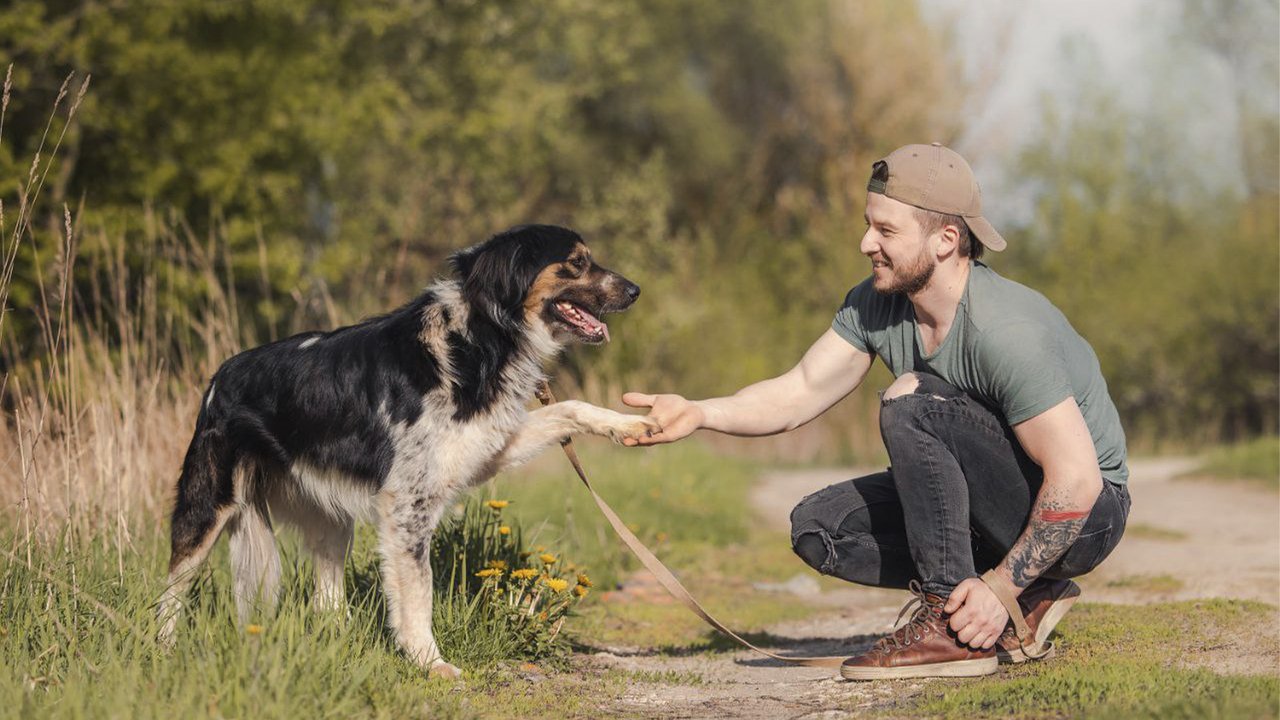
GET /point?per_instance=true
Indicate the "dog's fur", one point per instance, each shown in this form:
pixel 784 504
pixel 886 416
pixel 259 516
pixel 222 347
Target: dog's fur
pixel 388 420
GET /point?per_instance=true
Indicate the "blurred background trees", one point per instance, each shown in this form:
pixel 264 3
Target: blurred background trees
pixel 303 164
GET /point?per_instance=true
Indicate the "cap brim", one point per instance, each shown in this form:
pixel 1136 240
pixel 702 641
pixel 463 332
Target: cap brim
pixel 986 234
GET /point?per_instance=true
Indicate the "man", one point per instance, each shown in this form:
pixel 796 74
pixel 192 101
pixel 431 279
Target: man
pixel 1006 451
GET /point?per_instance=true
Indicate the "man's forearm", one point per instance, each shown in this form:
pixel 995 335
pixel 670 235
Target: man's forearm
pixel 759 409
pixel 1057 516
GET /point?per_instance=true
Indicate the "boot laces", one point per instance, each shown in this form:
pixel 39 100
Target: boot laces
pixel 923 610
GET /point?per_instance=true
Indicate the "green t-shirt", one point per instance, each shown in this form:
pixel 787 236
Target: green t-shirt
pixel 1009 348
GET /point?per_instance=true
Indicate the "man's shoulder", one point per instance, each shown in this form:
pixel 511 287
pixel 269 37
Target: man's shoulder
pixel 1000 306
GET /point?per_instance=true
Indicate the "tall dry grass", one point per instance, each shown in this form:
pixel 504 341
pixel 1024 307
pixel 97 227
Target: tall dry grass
pixel 96 416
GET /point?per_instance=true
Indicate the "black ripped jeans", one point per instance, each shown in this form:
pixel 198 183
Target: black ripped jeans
pixel 957 496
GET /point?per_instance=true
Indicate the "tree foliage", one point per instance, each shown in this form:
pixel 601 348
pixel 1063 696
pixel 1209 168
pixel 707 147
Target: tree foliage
pixel 308 163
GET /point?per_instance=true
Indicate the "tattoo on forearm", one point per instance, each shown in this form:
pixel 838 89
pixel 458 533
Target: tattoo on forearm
pixel 1052 529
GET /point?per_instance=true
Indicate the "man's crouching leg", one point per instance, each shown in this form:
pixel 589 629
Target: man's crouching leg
pixel 920 419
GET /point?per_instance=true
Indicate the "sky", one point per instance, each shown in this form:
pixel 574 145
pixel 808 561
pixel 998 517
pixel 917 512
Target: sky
pixel 1016 55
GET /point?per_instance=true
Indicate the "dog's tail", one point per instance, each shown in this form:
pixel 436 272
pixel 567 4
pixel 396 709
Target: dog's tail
pixel 205 502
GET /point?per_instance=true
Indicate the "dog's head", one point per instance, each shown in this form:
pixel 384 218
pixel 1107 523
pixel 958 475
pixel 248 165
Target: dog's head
pixel 543 274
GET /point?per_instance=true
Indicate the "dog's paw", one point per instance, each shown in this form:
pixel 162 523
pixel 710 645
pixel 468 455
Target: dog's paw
pixel 634 427
pixel 442 669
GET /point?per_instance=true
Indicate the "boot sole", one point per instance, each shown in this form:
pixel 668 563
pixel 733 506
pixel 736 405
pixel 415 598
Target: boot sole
pixel 1050 620
pixel 954 668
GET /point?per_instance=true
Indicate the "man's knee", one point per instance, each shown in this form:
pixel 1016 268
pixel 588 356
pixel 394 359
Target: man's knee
pixel 810 538
pixel 904 385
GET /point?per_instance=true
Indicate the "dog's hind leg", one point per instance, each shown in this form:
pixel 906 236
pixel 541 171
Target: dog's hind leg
pixel 255 562
pixel 329 541
pixel 405 526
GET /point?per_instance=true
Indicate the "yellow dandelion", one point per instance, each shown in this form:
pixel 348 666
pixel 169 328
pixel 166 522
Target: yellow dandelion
pixel 584 581
pixel 254 629
pixel 497 564
pixel 524 574
pixel 548 558
pixel 489 573
pixel 581 590
pixel 504 530
pixel 497 504
pixel 556 584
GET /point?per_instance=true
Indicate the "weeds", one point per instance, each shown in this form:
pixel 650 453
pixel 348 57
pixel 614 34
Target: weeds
pixel 1257 461
pixel 498 600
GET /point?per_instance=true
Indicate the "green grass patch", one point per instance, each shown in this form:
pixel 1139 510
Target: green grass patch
pixel 1152 532
pixel 680 500
pixel 77 629
pixel 1158 584
pixel 1256 460
pixel 722 581
pixel 77 626
pixel 661 677
pixel 1119 662
pixel 692 508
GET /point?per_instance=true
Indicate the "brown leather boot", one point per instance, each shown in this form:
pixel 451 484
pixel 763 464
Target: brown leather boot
pixel 923 647
pixel 1043 603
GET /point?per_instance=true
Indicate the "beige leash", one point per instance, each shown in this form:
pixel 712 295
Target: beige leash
pixel 660 571
pixel 1004 592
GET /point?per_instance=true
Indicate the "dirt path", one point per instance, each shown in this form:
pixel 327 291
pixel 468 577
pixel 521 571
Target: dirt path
pixel 1186 539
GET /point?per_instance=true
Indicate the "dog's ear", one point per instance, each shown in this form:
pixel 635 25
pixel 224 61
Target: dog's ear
pixel 496 276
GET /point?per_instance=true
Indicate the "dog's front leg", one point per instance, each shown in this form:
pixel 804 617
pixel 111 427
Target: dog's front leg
pixel 556 423
pixel 406 521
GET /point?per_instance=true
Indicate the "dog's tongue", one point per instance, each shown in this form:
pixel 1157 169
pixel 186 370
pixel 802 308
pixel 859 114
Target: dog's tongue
pixel 592 324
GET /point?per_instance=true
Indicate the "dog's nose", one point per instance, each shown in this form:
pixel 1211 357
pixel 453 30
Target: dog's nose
pixel 633 291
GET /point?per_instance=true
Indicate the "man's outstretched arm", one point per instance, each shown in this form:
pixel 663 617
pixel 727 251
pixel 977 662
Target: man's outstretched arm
pixel 829 370
pixel 1059 441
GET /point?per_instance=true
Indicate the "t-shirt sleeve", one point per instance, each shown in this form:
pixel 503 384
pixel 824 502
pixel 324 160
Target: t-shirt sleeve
pixel 850 320
pixel 1025 370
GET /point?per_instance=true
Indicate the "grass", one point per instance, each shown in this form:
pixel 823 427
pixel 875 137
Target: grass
pixel 1257 461
pixel 1120 662
pixel 76 626
pixel 679 500
pixel 1154 584
pixel 692 508
pixel 1152 532
pixel 77 642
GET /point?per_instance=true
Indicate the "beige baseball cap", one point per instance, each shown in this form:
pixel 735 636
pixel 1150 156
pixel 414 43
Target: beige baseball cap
pixel 934 178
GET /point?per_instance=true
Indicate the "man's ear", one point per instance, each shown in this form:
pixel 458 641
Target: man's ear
pixel 949 240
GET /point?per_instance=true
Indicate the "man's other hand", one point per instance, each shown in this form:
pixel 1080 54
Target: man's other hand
pixel 677 416
pixel 977 617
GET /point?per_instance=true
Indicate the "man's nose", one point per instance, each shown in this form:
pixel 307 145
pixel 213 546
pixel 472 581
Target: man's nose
pixel 868 244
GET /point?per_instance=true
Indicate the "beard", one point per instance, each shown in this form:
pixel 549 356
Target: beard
pixel 912 278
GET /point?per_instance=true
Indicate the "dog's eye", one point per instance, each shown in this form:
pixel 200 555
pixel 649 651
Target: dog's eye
pixel 580 264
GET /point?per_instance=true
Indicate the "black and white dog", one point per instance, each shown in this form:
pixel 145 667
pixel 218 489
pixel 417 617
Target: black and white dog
pixel 388 420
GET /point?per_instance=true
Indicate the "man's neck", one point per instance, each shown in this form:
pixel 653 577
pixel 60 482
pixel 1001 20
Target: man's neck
pixel 936 304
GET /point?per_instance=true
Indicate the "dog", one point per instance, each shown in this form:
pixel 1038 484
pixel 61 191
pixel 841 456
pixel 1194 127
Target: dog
pixel 388 421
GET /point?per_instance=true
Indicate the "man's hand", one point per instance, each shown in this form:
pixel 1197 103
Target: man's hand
pixel 977 616
pixel 677 416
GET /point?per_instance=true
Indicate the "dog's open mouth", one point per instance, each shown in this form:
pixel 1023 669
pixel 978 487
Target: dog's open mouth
pixel 581 321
